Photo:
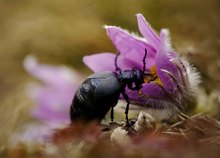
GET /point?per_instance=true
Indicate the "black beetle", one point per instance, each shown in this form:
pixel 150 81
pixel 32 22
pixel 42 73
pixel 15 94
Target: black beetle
pixel 101 91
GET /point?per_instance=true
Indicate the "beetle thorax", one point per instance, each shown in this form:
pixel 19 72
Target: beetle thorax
pixel 131 76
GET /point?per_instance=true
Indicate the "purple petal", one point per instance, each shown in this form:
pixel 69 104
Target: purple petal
pixel 163 62
pixel 137 61
pixel 148 33
pixel 149 90
pixel 154 96
pixel 100 62
pixel 53 104
pixel 54 98
pixel 130 46
pixel 56 75
pixel 153 90
pixel 106 62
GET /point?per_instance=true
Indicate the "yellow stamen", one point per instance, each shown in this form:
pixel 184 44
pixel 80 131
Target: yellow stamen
pixel 154 74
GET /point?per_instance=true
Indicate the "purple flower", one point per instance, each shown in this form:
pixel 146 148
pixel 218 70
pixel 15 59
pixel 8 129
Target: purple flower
pixel 53 97
pixel 176 80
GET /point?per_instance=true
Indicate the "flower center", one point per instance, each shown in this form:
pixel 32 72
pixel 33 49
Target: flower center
pixel 153 77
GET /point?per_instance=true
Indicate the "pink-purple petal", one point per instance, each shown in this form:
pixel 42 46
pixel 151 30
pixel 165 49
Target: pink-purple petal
pixel 51 75
pixel 100 62
pixel 148 33
pixel 53 98
pixel 125 42
pixel 131 47
pixel 149 90
pixel 163 62
pixel 137 61
pixel 53 104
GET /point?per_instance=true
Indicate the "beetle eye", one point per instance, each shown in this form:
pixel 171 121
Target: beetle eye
pixel 85 88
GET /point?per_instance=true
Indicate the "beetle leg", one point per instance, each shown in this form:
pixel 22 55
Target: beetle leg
pixel 144 62
pixel 127 107
pixel 112 113
pixel 153 79
pixel 137 86
pixel 140 92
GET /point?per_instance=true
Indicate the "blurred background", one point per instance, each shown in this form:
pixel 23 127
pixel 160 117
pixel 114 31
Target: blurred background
pixel 63 31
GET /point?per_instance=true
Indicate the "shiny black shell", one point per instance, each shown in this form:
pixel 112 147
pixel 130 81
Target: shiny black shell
pixel 94 98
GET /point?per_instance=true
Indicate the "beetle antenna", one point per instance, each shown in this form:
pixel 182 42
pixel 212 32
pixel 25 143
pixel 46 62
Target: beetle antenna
pixel 154 76
pixel 144 62
pixel 116 64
